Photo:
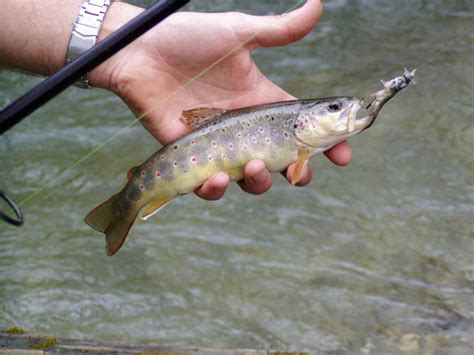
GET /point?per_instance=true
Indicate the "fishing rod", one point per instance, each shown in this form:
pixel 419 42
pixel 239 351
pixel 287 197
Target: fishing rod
pixel 69 74
pixel 91 58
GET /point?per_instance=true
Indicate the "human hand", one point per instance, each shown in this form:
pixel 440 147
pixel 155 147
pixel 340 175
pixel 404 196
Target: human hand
pixel 198 59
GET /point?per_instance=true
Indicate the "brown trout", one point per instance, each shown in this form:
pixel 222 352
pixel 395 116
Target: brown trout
pixel 226 140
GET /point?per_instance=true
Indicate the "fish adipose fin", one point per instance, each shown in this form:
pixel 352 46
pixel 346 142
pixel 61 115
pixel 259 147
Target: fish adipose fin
pixel 103 219
pixel 154 206
pixel 297 173
pixel 197 117
pixel 132 172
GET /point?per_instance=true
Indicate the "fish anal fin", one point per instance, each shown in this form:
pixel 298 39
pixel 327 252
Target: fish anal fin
pixel 296 174
pixel 197 117
pixel 132 172
pixel 154 206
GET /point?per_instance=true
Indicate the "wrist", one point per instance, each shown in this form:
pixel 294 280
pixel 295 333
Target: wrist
pixel 35 34
pixel 118 14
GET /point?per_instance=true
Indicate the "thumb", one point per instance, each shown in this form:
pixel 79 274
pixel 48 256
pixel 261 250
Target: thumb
pixel 270 31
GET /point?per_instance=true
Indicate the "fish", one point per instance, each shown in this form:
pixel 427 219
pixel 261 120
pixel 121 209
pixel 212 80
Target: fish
pixel 279 133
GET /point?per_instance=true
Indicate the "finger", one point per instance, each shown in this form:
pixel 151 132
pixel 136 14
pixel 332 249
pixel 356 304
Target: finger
pixel 305 178
pixel 340 154
pixel 214 188
pixel 270 31
pixel 257 178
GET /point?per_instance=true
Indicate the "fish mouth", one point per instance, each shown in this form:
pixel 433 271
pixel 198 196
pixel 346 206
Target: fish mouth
pixel 357 124
pixel 352 123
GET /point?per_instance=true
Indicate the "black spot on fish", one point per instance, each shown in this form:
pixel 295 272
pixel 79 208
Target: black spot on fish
pixel 295 126
pixel 273 118
pixel 175 147
pixel 133 193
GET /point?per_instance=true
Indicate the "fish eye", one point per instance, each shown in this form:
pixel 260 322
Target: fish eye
pixel 334 106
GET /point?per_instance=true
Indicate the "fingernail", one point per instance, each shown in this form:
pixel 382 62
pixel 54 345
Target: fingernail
pixel 260 177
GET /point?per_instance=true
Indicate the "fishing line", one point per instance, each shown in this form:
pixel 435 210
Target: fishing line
pixel 443 48
pixel 137 119
pixel 439 51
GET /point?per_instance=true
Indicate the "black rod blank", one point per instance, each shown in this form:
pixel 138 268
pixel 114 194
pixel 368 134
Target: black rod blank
pixel 66 76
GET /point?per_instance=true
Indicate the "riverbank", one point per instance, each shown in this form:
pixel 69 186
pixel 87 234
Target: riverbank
pixel 16 341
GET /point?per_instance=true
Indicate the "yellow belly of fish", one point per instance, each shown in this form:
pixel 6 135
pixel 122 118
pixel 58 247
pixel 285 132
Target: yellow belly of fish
pixel 186 182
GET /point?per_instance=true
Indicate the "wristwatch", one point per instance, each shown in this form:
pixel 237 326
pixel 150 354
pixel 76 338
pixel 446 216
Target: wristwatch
pixel 84 33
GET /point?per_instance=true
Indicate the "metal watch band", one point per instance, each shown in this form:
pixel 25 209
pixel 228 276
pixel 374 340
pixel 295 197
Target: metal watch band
pixel 84 33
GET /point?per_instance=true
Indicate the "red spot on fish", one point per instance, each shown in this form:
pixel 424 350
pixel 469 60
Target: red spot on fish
pixel 267 140
pixel 149 165
pixel 286 135
pixel 162 157
pixel 143 173
pixel 142 187
pixel 193 159
pixel 209 157
pixel 193 142
pixel 158 174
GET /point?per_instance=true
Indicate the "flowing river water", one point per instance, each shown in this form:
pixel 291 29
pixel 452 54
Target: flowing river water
pixel 374 257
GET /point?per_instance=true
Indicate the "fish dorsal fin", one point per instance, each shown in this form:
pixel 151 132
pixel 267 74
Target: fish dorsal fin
pixel 132 171
pixel 154 206
pixel 196 117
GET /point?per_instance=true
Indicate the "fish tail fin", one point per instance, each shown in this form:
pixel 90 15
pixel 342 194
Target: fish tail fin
pixel 115 227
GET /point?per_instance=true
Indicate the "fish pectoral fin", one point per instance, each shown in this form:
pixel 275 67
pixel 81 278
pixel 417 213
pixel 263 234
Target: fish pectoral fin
pixel 296 174
pixel 195 118
pixel 132 171
pixel 153 207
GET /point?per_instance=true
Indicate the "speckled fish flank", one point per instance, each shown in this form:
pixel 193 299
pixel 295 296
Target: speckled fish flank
pixel 225 141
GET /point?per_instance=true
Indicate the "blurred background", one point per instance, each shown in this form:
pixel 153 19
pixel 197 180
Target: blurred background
pixel 374 257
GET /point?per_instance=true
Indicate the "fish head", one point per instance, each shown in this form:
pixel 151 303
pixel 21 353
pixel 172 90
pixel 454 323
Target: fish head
pixel 321 123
